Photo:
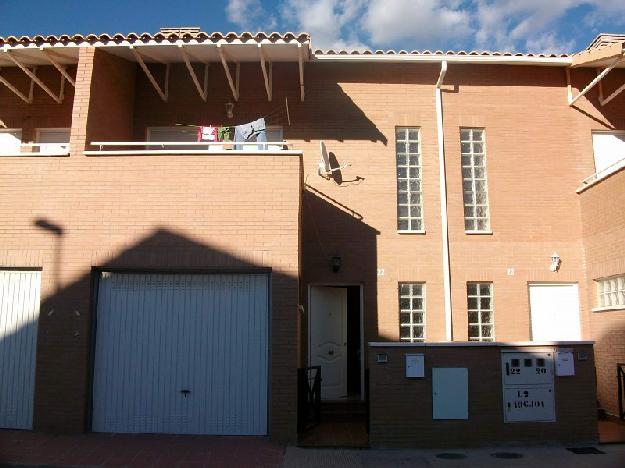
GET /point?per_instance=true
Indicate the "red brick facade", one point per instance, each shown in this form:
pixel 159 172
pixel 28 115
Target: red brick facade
pixel 208 211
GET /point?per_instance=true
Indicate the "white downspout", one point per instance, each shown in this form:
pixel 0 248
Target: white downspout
pixel 443 196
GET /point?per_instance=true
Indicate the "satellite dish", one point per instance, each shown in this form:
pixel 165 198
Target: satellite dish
pixel 325 169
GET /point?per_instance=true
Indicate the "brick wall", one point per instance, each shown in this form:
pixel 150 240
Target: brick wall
pixel 158 212
pixel 603 221
pixel 401 408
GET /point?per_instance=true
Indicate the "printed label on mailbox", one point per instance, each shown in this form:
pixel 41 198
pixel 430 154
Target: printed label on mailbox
pixel 529 404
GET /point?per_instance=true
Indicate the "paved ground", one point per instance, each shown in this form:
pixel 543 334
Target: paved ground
pixel 31 448
pixel 614 457
pixel 25 448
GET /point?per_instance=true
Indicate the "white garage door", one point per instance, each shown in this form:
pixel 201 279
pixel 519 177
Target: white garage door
pixel 181 354
pixel 555 312
pixel 19 314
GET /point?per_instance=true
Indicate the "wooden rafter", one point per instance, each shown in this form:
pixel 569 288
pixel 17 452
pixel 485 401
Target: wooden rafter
pixel 596 80
pixel 164 94
pixel 267 68
pixel 300 54
pixel 224 61
pixel 58 99
pixel 202 90
pixel 27 99
pixel 52 56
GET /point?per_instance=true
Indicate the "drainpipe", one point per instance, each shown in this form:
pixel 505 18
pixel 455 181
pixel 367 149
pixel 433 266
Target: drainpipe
pixel 443 196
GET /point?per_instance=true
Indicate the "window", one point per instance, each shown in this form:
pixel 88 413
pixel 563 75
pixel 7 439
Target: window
pixel 10 140
pixel 412 312
pixel 53 140
pixel 609 149
pixel 409 194
pixel 480 309
pixel 611 292
pixel 172 134
pixel 474 185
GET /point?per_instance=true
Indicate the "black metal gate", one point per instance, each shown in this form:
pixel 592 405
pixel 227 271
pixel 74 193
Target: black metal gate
pixel 308 397
pixel 620 376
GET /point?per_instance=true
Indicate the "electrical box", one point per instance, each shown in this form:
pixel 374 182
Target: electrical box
pixel 450 393
pixel 528 391
pixel 565 365
pixel 415 365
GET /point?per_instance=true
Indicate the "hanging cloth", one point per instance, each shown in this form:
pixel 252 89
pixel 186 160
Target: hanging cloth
pixel 209 134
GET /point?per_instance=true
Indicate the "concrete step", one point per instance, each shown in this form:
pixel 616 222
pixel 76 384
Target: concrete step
pixel 343 411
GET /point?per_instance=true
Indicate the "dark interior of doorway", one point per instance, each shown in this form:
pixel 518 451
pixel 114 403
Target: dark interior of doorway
pixel 353 342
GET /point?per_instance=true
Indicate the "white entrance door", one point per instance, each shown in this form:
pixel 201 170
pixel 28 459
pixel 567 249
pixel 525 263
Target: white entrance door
pixel 555 312
pixel 19 314
pixel 181 354
pixel 328 339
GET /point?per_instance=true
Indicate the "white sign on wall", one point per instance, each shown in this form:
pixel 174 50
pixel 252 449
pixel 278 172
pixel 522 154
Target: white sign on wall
pixel 529 404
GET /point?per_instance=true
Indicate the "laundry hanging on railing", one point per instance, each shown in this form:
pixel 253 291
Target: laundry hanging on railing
pixel 254 131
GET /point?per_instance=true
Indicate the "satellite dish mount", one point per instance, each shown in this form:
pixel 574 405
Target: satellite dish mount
pixel 325 169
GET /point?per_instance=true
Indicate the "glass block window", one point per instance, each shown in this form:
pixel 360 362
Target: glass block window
pixel 412 312
pixel 480 308
pixel 409 194
pixel 611 291
pixel 474 184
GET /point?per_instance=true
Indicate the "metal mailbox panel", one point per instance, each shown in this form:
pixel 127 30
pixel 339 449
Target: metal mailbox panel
pixel 521 404
pixel 527 368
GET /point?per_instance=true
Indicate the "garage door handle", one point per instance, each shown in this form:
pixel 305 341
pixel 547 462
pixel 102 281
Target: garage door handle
pixel 185 392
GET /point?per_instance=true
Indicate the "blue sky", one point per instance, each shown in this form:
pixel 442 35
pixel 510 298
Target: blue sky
pixel 519 25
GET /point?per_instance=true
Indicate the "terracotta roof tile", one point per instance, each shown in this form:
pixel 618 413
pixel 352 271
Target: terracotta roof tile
pixel 436 52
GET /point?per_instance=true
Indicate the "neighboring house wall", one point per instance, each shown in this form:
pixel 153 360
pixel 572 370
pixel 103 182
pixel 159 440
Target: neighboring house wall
pixel 157 212
pixel 603 217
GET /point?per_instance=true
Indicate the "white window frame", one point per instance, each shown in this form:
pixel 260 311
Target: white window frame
pixel 610 293
pixel 18 150
pixel 51 148
pixel 471 179
pixel 411 311
pixel 408 179
pixel 479 310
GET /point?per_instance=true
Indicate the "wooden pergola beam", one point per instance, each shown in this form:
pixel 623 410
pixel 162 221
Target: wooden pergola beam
pixel 300 53
pixel 234 88
pixel 267 68
pixel 164 94
pixel 27 99
pixel 202 91
pixel 51 56
pixel 58 99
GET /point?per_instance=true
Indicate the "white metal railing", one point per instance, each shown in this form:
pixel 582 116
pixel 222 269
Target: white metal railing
pixel 180 147
pixel 603 173
pixel 39 149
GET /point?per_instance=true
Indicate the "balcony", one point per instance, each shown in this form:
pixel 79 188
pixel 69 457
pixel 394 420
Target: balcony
pixel 136 148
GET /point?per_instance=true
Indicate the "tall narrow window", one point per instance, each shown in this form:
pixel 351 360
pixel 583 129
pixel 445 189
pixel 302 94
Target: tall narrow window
pixel 412 312
pixel 480 308
pixel 409 200
pixel 474 184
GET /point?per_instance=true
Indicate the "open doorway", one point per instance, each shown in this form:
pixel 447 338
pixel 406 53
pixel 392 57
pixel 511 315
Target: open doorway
pixel 335 340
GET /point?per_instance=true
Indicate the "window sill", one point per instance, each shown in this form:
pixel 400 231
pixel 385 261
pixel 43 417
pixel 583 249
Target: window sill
pixel 609 308
pixel 479 233
pixel 420 231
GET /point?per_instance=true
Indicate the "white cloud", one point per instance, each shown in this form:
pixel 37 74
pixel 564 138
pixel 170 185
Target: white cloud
pixel 418 23
pixel 549 43
pixel 249 15
pixel 331 23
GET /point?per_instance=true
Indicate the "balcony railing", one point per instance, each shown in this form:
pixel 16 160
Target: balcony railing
pixel 187 147
pixel 37 149
pixel 597 176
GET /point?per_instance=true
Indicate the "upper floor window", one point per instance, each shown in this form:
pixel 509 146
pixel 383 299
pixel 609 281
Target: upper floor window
pixel 474 181
pixel 10 140
pixel 609 150
pixel 52 140
pixel 611 292
pixel 412 312
pixel 480 310
pixel 409 192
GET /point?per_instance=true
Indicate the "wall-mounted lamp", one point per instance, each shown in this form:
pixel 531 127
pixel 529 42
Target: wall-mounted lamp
pixel 336 263
pixel 555 262
pixel 229 109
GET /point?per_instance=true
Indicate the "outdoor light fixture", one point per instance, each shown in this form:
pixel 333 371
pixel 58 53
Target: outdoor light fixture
pixel 229 109
pixel 555 262
pixel 336 263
